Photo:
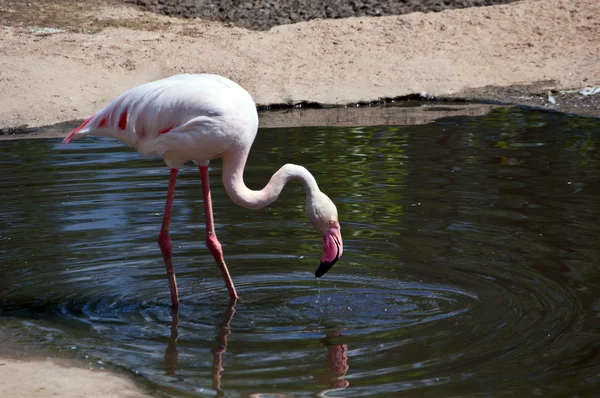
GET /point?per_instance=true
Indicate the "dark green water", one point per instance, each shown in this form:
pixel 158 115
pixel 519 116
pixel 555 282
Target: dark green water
pixel 471 262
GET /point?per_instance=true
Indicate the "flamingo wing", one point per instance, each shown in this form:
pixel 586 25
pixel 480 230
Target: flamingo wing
pixel 149 110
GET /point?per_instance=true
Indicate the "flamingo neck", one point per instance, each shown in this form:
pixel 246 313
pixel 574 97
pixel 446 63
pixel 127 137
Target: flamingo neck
pixel 233 180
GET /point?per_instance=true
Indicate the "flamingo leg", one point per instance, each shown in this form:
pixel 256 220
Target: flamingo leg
pixel 211 237
pixel 164 241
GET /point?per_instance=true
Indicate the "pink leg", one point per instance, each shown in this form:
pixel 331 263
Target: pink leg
pixel 211 238
pixel 164 241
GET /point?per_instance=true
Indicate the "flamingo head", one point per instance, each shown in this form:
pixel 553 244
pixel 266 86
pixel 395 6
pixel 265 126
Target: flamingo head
pixel 323 215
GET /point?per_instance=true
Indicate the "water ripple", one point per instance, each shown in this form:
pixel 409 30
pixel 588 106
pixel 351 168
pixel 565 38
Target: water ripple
pixel 470 262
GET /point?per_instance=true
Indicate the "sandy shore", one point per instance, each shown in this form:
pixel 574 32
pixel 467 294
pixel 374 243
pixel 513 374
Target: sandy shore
pixel 528 52
pixel 26 371
pixel 46 378
pixel 518 53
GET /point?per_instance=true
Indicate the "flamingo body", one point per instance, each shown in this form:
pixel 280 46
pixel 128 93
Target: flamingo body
pixel 199 118
pixel 181 118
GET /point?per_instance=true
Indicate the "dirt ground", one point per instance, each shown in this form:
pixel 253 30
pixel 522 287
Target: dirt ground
pixel 534 52
pixel 26 371
pixel 46 378
pixel 265 14
pixel 63 60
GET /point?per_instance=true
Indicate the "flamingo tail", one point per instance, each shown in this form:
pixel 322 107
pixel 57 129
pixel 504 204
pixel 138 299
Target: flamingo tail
pixel 79 131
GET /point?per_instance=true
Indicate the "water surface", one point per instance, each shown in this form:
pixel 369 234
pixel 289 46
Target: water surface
pixel 470 267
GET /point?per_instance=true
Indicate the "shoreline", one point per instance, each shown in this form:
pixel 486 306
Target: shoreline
pixel 29 371
pixel 390 114
pixel 32 378
pixel 532 53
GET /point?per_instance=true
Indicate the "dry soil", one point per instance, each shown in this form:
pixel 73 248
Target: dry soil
pixel 533 52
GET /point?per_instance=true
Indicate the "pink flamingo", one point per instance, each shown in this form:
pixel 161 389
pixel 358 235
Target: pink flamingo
pixel 200 117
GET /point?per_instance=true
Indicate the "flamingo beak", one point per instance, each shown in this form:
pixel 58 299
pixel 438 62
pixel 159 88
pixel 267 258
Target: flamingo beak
pixel 332 251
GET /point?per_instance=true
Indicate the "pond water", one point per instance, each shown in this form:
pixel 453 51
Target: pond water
pixel 471 262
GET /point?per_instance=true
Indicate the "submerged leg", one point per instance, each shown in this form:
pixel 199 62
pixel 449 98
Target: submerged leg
pixel 171 353
pixel 211 237
pixel 164 241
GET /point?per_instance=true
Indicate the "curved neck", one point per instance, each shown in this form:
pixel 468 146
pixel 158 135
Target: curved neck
pixel 233 180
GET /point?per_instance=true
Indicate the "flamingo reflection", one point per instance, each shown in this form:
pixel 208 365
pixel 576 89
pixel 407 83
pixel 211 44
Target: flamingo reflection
pixel 221 347
pixel 336 358
pixel 171 353
pixel 337 364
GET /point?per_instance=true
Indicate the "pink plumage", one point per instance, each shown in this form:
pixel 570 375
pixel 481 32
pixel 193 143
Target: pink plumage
pixel 199 118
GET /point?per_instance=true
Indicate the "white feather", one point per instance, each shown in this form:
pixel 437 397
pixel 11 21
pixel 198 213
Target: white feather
pixel 205 115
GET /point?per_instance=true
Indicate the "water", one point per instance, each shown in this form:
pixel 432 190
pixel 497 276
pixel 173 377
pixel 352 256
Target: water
pixel 470 267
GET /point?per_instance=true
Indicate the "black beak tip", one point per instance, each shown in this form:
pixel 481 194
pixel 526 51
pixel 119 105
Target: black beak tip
pixel 324 267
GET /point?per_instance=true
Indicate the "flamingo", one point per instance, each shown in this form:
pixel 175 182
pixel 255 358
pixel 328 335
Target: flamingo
pixel 200 117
